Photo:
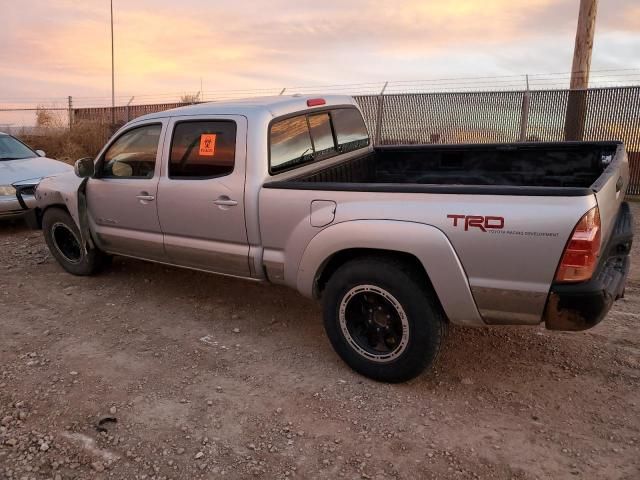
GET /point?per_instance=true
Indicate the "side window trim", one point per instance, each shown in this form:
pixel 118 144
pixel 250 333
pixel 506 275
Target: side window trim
pixel 100 160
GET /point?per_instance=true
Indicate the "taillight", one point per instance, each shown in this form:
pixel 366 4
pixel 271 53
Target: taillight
pixel 581 254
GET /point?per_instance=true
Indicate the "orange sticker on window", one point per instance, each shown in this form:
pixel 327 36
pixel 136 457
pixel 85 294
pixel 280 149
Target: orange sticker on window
pixel 208 144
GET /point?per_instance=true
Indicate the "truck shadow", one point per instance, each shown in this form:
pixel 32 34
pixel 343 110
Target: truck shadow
pixel 287 325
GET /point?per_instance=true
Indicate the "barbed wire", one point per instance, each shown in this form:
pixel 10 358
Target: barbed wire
pixel 544 81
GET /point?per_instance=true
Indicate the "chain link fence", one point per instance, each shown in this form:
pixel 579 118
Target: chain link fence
pixel 475 117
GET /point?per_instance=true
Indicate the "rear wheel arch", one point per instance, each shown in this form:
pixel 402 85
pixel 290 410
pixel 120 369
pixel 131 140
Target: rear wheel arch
pixel 425 247
pixel 339 258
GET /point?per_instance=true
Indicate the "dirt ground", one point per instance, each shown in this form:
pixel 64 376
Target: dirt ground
pixel 210 377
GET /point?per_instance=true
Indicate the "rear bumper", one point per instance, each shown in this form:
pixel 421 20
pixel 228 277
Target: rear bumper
pixel 579 306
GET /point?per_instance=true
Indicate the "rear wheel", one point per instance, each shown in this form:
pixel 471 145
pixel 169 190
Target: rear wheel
pixel 64 241
pixel 383 319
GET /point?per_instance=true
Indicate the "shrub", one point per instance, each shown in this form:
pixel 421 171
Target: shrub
pixel 85 139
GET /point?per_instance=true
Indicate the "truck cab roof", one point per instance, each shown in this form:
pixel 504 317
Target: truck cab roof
pixel 275 106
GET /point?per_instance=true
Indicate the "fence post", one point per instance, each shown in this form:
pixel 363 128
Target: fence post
pixel 129 103
pixel 379 115
pixel 524 116
pixel 70 112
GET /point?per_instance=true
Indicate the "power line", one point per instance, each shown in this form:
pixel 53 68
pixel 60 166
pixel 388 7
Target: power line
pixel 551 80
pixel 476 80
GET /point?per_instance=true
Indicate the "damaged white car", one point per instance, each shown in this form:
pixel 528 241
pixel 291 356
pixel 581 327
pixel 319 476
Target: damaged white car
pixel 21 169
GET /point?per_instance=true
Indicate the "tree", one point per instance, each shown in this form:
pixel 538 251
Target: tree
pixel 45 118
pixel 190 98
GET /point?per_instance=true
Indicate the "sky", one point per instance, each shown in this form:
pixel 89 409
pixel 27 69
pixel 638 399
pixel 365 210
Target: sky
pixel 57 48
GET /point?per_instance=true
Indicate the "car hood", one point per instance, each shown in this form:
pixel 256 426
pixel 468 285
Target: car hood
pixel 12 171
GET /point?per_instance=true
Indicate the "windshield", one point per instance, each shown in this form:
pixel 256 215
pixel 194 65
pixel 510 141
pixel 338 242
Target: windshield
pixel 12 149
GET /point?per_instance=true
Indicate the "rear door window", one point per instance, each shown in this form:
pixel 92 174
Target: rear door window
pixel 202 149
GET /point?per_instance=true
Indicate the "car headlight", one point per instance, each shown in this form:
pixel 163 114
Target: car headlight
pixel 7 190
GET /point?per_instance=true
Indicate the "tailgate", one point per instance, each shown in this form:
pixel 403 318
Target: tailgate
pixel 610 188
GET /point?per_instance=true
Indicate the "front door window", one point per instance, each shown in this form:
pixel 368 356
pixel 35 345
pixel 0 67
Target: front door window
pixel 133 154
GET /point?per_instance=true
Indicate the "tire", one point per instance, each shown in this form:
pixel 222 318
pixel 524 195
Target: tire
pixel 383 301
pixel 63 239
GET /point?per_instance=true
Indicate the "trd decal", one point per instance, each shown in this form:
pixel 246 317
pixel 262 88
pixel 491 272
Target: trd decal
pixel 477 221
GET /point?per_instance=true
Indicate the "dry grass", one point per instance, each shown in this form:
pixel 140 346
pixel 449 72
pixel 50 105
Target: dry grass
pixel 85 139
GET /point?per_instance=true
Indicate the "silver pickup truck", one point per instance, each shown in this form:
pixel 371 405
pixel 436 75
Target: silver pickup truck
pixel 396 241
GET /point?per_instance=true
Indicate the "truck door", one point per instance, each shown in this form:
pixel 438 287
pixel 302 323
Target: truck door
pixel 201 194
pixel 121 198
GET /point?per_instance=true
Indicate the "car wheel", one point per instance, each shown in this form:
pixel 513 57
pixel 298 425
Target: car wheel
pixel 383 319
pixel 63 239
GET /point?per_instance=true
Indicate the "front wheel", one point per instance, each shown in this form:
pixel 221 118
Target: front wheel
pixel 63 239
pixel 383 319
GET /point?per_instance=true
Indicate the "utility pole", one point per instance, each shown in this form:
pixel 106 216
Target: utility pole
pixel 584 44
pixel 113 76
pixel 577 102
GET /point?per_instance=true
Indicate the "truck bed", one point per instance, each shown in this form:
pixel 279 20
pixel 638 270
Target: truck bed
pixel 568 168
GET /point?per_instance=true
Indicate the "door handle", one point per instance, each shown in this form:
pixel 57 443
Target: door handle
pixel 225 201
pixel 145 197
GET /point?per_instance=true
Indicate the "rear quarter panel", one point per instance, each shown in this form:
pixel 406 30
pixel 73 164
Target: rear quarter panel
pixel 509 270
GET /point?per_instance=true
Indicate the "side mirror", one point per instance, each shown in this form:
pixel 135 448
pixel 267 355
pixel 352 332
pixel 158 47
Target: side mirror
pixel 84 167
pixel 41 153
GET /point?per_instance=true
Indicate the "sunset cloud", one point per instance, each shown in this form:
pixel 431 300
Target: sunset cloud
pixel 56 48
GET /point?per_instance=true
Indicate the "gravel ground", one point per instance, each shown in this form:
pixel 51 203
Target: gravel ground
pixel 149 372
